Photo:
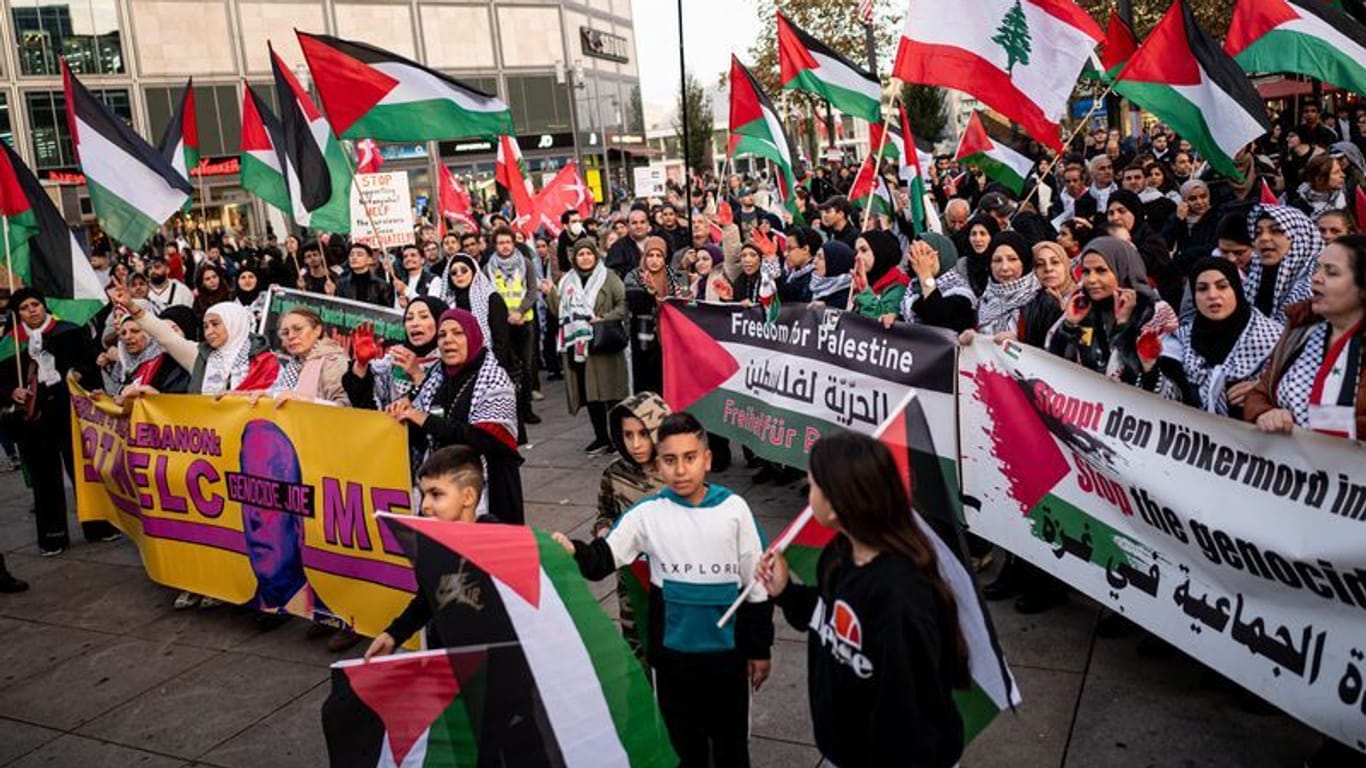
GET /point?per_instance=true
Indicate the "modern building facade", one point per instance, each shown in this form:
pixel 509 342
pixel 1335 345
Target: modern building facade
pixel 567 68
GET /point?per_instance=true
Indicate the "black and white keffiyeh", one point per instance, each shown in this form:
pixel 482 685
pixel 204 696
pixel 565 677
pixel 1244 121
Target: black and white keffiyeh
pixel 1246 360
pixel 949 283
pixel 999 311
pixel 492 398
pixel 1296 269
pixel 1297 381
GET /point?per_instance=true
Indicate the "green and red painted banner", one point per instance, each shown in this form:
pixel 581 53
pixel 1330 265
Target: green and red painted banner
pixel 776 387
pixel 1238 547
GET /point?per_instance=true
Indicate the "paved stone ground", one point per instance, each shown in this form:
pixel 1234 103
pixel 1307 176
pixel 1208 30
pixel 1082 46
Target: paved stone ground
pixel 96 668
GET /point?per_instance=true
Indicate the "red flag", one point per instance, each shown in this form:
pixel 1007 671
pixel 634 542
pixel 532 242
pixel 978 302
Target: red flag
pixel 510 173
pixel 1361 210
pixel 453 202
pixel 564 192
pixel 1120 43
pixel 1268 197
pixel 368 158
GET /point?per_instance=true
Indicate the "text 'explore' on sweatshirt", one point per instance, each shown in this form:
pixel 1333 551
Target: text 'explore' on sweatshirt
pixel 878 670
pixel 701 557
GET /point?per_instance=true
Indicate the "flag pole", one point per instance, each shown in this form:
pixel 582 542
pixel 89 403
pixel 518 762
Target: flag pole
pixel 1081 125
pixel 374 231
pixel 877 164
pixel 9 277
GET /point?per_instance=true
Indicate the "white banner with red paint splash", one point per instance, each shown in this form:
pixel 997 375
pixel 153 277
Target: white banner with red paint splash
pixel 1247 551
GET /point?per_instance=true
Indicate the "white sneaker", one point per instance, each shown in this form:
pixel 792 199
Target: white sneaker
pixel 185 601
pixel 536 395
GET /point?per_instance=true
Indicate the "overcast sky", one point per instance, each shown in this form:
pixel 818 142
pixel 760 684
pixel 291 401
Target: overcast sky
pixel 712 29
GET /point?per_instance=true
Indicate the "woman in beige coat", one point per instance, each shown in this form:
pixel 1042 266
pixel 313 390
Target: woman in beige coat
pixel 587 296
pixel 314 365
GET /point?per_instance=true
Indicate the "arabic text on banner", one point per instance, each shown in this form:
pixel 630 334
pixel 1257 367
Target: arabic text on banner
pixel 1242 549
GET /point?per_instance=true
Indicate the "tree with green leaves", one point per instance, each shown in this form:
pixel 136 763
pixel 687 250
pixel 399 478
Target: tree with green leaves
pixel 1013 36
pixel 926 110
pixel 693 102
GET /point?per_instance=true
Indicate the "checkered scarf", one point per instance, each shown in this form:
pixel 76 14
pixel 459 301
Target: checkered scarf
pixel 1297 382
pixel 999 311
pixel 1244 361
pixel 1296 269
pixel 492 403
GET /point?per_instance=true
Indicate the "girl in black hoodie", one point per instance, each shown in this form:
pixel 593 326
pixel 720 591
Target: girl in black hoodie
pixel 887 652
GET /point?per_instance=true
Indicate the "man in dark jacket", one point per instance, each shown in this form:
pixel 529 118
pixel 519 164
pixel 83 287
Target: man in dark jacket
pixel 361 283
pixel 836 220
pixel 42 414
pixel 625 253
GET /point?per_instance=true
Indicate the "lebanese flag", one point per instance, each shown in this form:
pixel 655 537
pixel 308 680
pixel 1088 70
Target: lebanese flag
pixel 931 492
pixel 1306 37
pixel 373 93
pixel 1181 75
pixel 453 202
pixel 133 189
pixel 262 145
pixel 1119 46
pixel 559 679
pixel 41 250
pixel 317 173
pixel 368 157
pixel 565 192
pixel 510 174
pixel 1019 57
pixel 995 155
pixel 807 64
pixel 180 143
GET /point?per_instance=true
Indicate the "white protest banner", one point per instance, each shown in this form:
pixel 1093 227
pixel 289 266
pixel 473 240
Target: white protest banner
pixel 1244 550
pixel 649 181
pixel 384 199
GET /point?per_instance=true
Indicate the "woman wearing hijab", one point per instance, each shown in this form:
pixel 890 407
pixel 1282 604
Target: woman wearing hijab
pixel 1194 231
pixel 1053 268
pixel 211 287
pixel 745 285
pixel 938 294
pixel 974 260
pixel 143 367
pixel 647 286
pixel 1285 249
pixel 833 276
pixel 251 291
pixel 467 287
pixel 1227 343
pixel 1012 287
pixel 588 295
pixel 707 282
pixel 379 378
pixel 469 400
pixel 1126 210
pixel 878 255
pixel 1116 323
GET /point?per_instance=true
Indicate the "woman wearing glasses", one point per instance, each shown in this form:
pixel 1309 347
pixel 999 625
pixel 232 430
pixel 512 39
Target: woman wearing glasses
pixel 314 364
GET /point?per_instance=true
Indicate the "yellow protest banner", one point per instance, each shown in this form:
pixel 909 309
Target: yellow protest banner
pixel 254 505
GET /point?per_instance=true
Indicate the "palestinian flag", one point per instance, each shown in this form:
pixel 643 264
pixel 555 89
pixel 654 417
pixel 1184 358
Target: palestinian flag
pixel 1181 75
pixel 912 163
pixel 514 181
pixel 932 495
pixel 180 143
pixel 372 93
pixel 1306 37
pixel 1119 46
pixel 755 129
pixel 1268 197
pixel 262 145
pixel 561 686
pixel 869 191
pixel 42 252
pixel 996 155
pixel 1018 57
pixel 807 64
pixel 709 353
pixel 317 173
pixel 133 189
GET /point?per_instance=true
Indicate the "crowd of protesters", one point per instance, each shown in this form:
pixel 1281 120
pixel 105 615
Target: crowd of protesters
pixel 1128 256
